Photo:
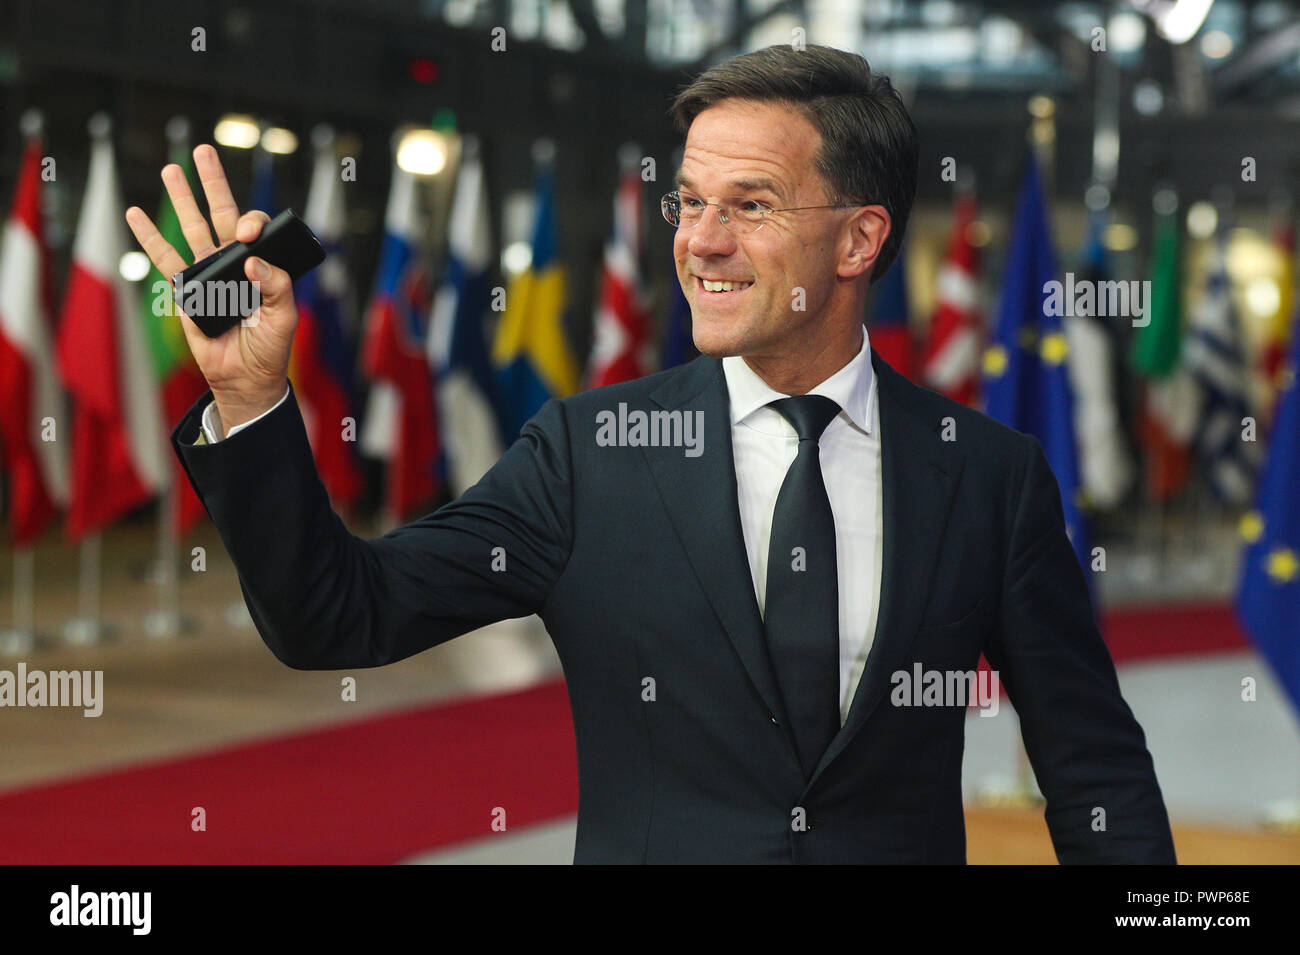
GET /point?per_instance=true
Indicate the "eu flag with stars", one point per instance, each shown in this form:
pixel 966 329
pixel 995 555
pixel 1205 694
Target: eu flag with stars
pixel 1027 385
pixel 1268 599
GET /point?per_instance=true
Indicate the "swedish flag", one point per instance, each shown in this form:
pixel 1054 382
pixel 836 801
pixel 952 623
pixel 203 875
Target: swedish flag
pixel 531 355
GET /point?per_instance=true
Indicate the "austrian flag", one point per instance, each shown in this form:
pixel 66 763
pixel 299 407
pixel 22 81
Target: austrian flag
pixel 37 467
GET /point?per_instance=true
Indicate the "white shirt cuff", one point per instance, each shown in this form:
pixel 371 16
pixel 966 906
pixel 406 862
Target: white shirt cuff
pixel 212 419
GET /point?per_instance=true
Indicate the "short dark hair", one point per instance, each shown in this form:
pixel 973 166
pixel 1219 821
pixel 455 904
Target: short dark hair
pixel 869 147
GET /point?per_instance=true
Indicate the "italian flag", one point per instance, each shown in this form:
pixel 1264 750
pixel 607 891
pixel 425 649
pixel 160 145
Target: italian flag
pixel 1168 419
pixel 30 397
pixel 118 441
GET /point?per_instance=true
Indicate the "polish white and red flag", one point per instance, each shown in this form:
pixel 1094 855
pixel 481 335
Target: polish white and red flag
pixel 35 461
pixel 119 452
pixel 952 346
pixel 622 349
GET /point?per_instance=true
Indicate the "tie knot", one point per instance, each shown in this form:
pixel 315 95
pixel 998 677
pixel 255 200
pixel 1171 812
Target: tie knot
pixel 809 414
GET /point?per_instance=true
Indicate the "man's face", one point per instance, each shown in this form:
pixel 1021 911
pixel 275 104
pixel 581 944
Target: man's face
pixel 762 151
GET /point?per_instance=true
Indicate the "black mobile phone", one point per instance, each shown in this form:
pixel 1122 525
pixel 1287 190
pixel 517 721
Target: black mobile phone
pixel 214 291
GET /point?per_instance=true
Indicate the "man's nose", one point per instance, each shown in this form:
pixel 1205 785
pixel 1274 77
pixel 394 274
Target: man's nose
pixel 709 236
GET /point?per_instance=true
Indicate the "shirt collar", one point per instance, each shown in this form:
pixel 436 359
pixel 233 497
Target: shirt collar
pixel 850 388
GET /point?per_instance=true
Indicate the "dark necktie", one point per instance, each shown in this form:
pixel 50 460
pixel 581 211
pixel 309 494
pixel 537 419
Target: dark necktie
pixel 801 609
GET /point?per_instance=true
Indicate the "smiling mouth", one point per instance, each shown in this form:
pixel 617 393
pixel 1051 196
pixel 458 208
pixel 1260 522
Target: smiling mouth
pixel 721 288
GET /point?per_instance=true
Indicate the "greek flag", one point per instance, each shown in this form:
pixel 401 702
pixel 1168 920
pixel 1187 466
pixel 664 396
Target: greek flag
pixel 1216 361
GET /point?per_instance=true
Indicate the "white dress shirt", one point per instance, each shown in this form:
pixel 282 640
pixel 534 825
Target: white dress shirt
pixel 211 420
pixel 764 446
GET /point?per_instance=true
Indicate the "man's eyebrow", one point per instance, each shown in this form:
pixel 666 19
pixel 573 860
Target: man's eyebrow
pixel 757 185
pixel 760 184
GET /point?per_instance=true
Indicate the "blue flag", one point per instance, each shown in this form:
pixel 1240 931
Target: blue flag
pixel 891 331
pixel 264 193
pixel 678 346
pixel 1027 384
pixel 1268 599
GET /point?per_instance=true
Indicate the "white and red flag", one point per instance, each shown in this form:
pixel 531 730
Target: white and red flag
pixel 952 347
pixel 622 349
pixel 119 454
pixel 30 397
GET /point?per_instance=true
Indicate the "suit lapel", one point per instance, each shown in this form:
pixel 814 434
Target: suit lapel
pixel 917 485
pixel 700 496
pixel 917 489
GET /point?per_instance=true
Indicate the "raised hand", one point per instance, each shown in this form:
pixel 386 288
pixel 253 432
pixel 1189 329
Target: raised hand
pixel 247 366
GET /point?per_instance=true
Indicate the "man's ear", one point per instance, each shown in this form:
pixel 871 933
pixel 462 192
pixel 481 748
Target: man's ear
pixel 868 229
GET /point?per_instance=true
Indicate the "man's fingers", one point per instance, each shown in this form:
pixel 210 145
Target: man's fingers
pixel 273 284
pixel 275 296
pixel 165 259
pixel 225 214
pixel 193 225
pixel 251 225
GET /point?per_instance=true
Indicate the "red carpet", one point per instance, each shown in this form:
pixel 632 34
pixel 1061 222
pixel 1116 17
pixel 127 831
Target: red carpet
pixel 373 791
pixel 1135 635
pixel 384 788
pixel 1172 631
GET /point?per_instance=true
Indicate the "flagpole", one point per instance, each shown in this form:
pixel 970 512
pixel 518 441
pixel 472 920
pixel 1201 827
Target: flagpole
pixel 997 791
pixel 1042 137
pixel 237 616
pixel 1158 489
pixel 87 627
pixel 1199 569
pixel 166 620
pixel 1267 601
pixel 1021 790
pixel 1025 793
pixel 1147 561
pixel 1159 543
pixel 22 637
pixel 1221 199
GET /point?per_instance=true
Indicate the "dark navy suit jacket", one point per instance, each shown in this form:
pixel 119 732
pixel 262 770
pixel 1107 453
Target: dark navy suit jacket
pixel 635 560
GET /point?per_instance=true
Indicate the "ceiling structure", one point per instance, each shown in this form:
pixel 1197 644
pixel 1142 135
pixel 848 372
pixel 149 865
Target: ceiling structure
pixel 594 74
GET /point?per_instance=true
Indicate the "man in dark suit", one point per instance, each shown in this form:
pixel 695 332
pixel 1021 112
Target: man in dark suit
pixel 740 561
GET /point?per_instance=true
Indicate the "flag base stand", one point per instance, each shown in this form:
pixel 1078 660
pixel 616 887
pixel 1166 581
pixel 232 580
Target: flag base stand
pixel 165 624
pixel 1017 791
pixel 88 627
pixel 1144 569
pixel 500 658
pixel 15 642
pixel 1283 816
pixel 84 631
pixel 1006 792
pixel 152 572
pixel 1200 570
pixel 237 616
